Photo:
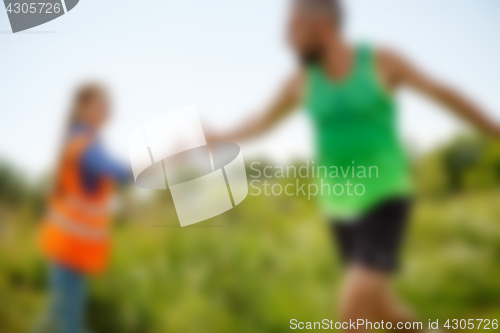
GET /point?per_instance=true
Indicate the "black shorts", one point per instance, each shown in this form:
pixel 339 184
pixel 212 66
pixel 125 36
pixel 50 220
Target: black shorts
pixel 374 240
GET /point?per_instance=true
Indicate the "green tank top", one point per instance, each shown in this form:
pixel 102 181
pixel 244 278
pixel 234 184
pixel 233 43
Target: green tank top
pixel 360 160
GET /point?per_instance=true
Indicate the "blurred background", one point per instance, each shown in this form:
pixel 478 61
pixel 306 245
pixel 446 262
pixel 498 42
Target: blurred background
pixel 270 259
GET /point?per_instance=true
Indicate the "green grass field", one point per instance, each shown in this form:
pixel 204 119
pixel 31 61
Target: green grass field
pixel 256 267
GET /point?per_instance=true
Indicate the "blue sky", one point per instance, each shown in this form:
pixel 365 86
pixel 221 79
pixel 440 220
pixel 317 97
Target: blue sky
pixel 228 57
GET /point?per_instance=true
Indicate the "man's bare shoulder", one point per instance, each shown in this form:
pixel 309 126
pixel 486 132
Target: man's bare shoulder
pixel 389 57
pixel 391 65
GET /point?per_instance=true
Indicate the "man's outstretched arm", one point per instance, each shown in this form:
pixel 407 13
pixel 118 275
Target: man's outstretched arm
pixel 405 73
pixel 287 100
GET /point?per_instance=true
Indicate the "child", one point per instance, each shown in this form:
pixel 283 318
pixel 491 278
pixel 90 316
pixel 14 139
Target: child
pixel 75 231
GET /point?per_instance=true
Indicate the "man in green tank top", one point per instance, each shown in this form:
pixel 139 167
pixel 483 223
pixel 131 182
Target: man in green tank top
pixel 348 93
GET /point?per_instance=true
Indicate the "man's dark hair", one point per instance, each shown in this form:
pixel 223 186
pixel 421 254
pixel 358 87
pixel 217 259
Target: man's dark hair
pixel 330 7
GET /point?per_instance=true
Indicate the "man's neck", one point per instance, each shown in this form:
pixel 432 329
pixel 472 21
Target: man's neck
pixel 337 57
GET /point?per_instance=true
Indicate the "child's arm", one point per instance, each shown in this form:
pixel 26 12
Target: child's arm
pixel 98 161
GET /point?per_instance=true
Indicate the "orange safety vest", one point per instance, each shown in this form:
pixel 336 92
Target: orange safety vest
pixel 75 231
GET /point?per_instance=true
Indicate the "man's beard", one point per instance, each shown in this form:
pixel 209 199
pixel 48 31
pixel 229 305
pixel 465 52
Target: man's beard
pixel 310 57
